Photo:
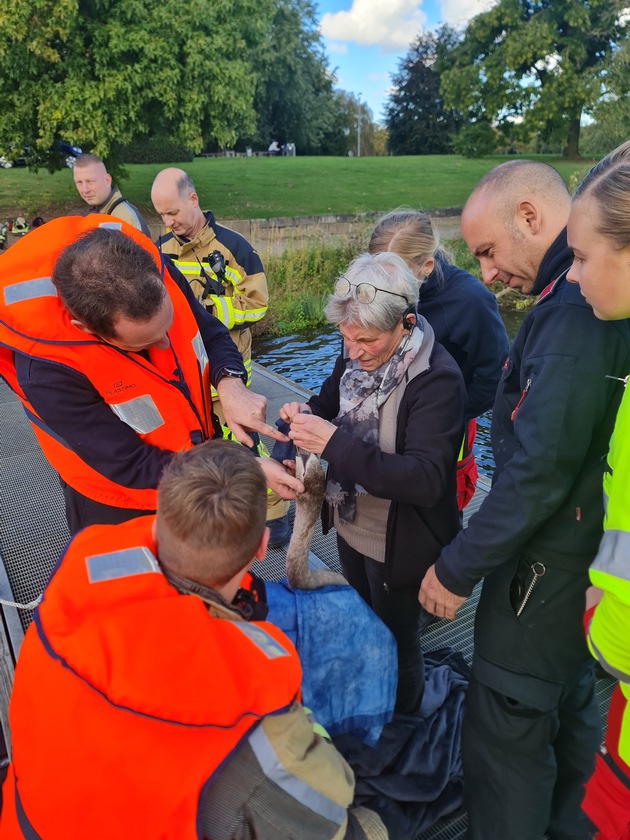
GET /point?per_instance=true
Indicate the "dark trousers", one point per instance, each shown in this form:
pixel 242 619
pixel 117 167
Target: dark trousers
pixel 525 769
pixel 399 610
pixel 81 511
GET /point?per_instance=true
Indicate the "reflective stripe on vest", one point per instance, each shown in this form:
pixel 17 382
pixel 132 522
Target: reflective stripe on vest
pixel 118 564
pixel 613 555
pixel 141 413
pixel 292 785
pixel 29 289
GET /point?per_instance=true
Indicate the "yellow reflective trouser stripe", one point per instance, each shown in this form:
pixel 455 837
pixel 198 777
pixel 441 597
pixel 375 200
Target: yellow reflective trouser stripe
pixel 318 729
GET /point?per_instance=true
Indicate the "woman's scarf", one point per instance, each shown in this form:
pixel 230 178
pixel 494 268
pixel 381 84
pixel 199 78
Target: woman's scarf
pixel 361 394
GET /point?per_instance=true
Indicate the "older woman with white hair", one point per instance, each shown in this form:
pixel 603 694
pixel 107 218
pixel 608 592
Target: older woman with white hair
pixel 389 421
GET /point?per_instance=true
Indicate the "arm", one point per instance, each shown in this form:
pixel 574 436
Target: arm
pixel 221 350
pixel 249 296
pixel 284 782
pixel 552 433
pixel 431 424
pixel 244 410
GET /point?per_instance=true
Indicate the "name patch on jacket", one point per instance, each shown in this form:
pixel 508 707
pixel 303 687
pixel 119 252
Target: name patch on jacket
pixel 263 641
pixel 120 564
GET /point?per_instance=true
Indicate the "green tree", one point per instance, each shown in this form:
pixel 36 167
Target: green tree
pixel 102 73
pixel 417 120
pixel 294 97
pixel 537 63
pixel 612 111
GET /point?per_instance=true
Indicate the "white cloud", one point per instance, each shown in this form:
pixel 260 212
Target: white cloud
pixel 391 26
pixel 337 47
pixel 459 12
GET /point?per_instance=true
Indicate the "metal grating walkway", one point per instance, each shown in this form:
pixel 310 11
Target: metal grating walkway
pixel 33 533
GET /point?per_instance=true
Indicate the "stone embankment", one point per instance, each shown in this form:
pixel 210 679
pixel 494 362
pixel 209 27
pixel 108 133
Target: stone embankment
pixel 273 236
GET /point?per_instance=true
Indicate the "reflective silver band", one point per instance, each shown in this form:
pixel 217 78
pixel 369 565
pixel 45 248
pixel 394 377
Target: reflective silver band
pixel 111 225
pixel 141 413
pixel 290 784
pixel 29 290
pixel 200 351
pixel 612 557
pixel 118 564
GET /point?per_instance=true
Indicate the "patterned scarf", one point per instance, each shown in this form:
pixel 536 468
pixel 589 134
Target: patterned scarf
pixel 361 394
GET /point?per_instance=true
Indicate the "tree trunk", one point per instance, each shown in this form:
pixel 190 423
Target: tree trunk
pixel 572 148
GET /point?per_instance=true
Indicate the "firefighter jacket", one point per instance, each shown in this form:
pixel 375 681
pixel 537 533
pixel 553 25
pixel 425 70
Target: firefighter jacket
pixel 119 207
pixel 241 298
pixel 609 629
pixel 162 395
pixel 129 697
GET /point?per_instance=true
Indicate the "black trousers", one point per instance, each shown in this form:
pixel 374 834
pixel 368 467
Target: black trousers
pixel 525 769
pixel 399 610
pixel 81 511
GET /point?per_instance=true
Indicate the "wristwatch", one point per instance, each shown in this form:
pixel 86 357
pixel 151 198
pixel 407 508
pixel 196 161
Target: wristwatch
pixel 233 373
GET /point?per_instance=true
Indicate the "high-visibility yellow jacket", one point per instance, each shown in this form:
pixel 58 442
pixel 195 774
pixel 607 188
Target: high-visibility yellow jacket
pixel 245 295
pixel 609 629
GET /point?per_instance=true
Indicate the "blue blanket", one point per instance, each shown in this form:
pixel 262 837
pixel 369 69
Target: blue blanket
pixel 348 656
pixel 414 775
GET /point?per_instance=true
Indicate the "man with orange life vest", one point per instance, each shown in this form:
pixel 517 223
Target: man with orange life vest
pixel 111 357
pixel 115 732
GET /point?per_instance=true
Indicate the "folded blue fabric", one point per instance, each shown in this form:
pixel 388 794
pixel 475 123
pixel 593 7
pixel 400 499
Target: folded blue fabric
pixel 348 657
pixel 413 776
pixel 283 451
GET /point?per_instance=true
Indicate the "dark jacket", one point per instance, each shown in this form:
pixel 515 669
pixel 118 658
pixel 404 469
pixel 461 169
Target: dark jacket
pixel 419 477
pixel 71 407
pixel 466 321
pixel 552 420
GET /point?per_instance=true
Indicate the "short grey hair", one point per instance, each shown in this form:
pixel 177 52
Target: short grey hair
pixel 185 185
pixel 386 271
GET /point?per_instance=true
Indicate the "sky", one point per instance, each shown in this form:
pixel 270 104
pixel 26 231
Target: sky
pixel 365 39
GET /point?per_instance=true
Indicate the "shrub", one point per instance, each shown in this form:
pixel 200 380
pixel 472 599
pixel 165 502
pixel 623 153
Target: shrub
pixel 155 150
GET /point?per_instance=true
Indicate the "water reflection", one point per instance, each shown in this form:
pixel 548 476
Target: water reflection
pixel 308 358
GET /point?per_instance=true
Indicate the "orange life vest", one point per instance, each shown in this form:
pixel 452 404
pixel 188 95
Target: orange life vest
pixel 128 697
pixel 165 398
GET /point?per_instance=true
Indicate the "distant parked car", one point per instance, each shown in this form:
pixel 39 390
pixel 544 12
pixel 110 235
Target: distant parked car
pixel 59 147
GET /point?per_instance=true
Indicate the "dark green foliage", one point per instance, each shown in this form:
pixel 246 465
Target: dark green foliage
pixel 475 140
pixel 155 150
pixel 418 122
pixel 537 64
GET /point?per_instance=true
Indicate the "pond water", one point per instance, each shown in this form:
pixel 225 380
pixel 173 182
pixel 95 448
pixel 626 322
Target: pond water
pixel 308 358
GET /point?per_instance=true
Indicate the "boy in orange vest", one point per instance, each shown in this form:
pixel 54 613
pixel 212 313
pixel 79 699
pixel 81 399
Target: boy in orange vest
pixel 146 705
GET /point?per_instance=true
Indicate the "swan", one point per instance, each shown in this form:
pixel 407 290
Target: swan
pixel 309 470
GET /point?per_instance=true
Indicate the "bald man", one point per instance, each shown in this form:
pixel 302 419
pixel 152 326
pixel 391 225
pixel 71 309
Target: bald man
pixel 532 727
pixel 226 275
pixel 94 184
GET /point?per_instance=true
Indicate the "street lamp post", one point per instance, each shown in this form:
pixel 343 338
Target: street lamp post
pixel 358 125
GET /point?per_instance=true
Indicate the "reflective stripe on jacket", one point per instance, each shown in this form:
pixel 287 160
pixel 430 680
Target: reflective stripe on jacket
pixel 163 395
pixel 128 696
pixel 609 629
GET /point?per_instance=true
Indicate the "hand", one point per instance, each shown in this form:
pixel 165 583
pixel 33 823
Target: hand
pixel 244 411
pixel 311 433
pixel 593 596
pixel 289 410
pixel 280 479
pixel 436 598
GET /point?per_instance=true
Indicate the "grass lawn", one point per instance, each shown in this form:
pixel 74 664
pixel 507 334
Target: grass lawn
pixel 255 188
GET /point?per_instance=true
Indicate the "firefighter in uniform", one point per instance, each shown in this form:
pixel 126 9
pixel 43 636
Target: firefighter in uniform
pixel 146 705
pixel 227 277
